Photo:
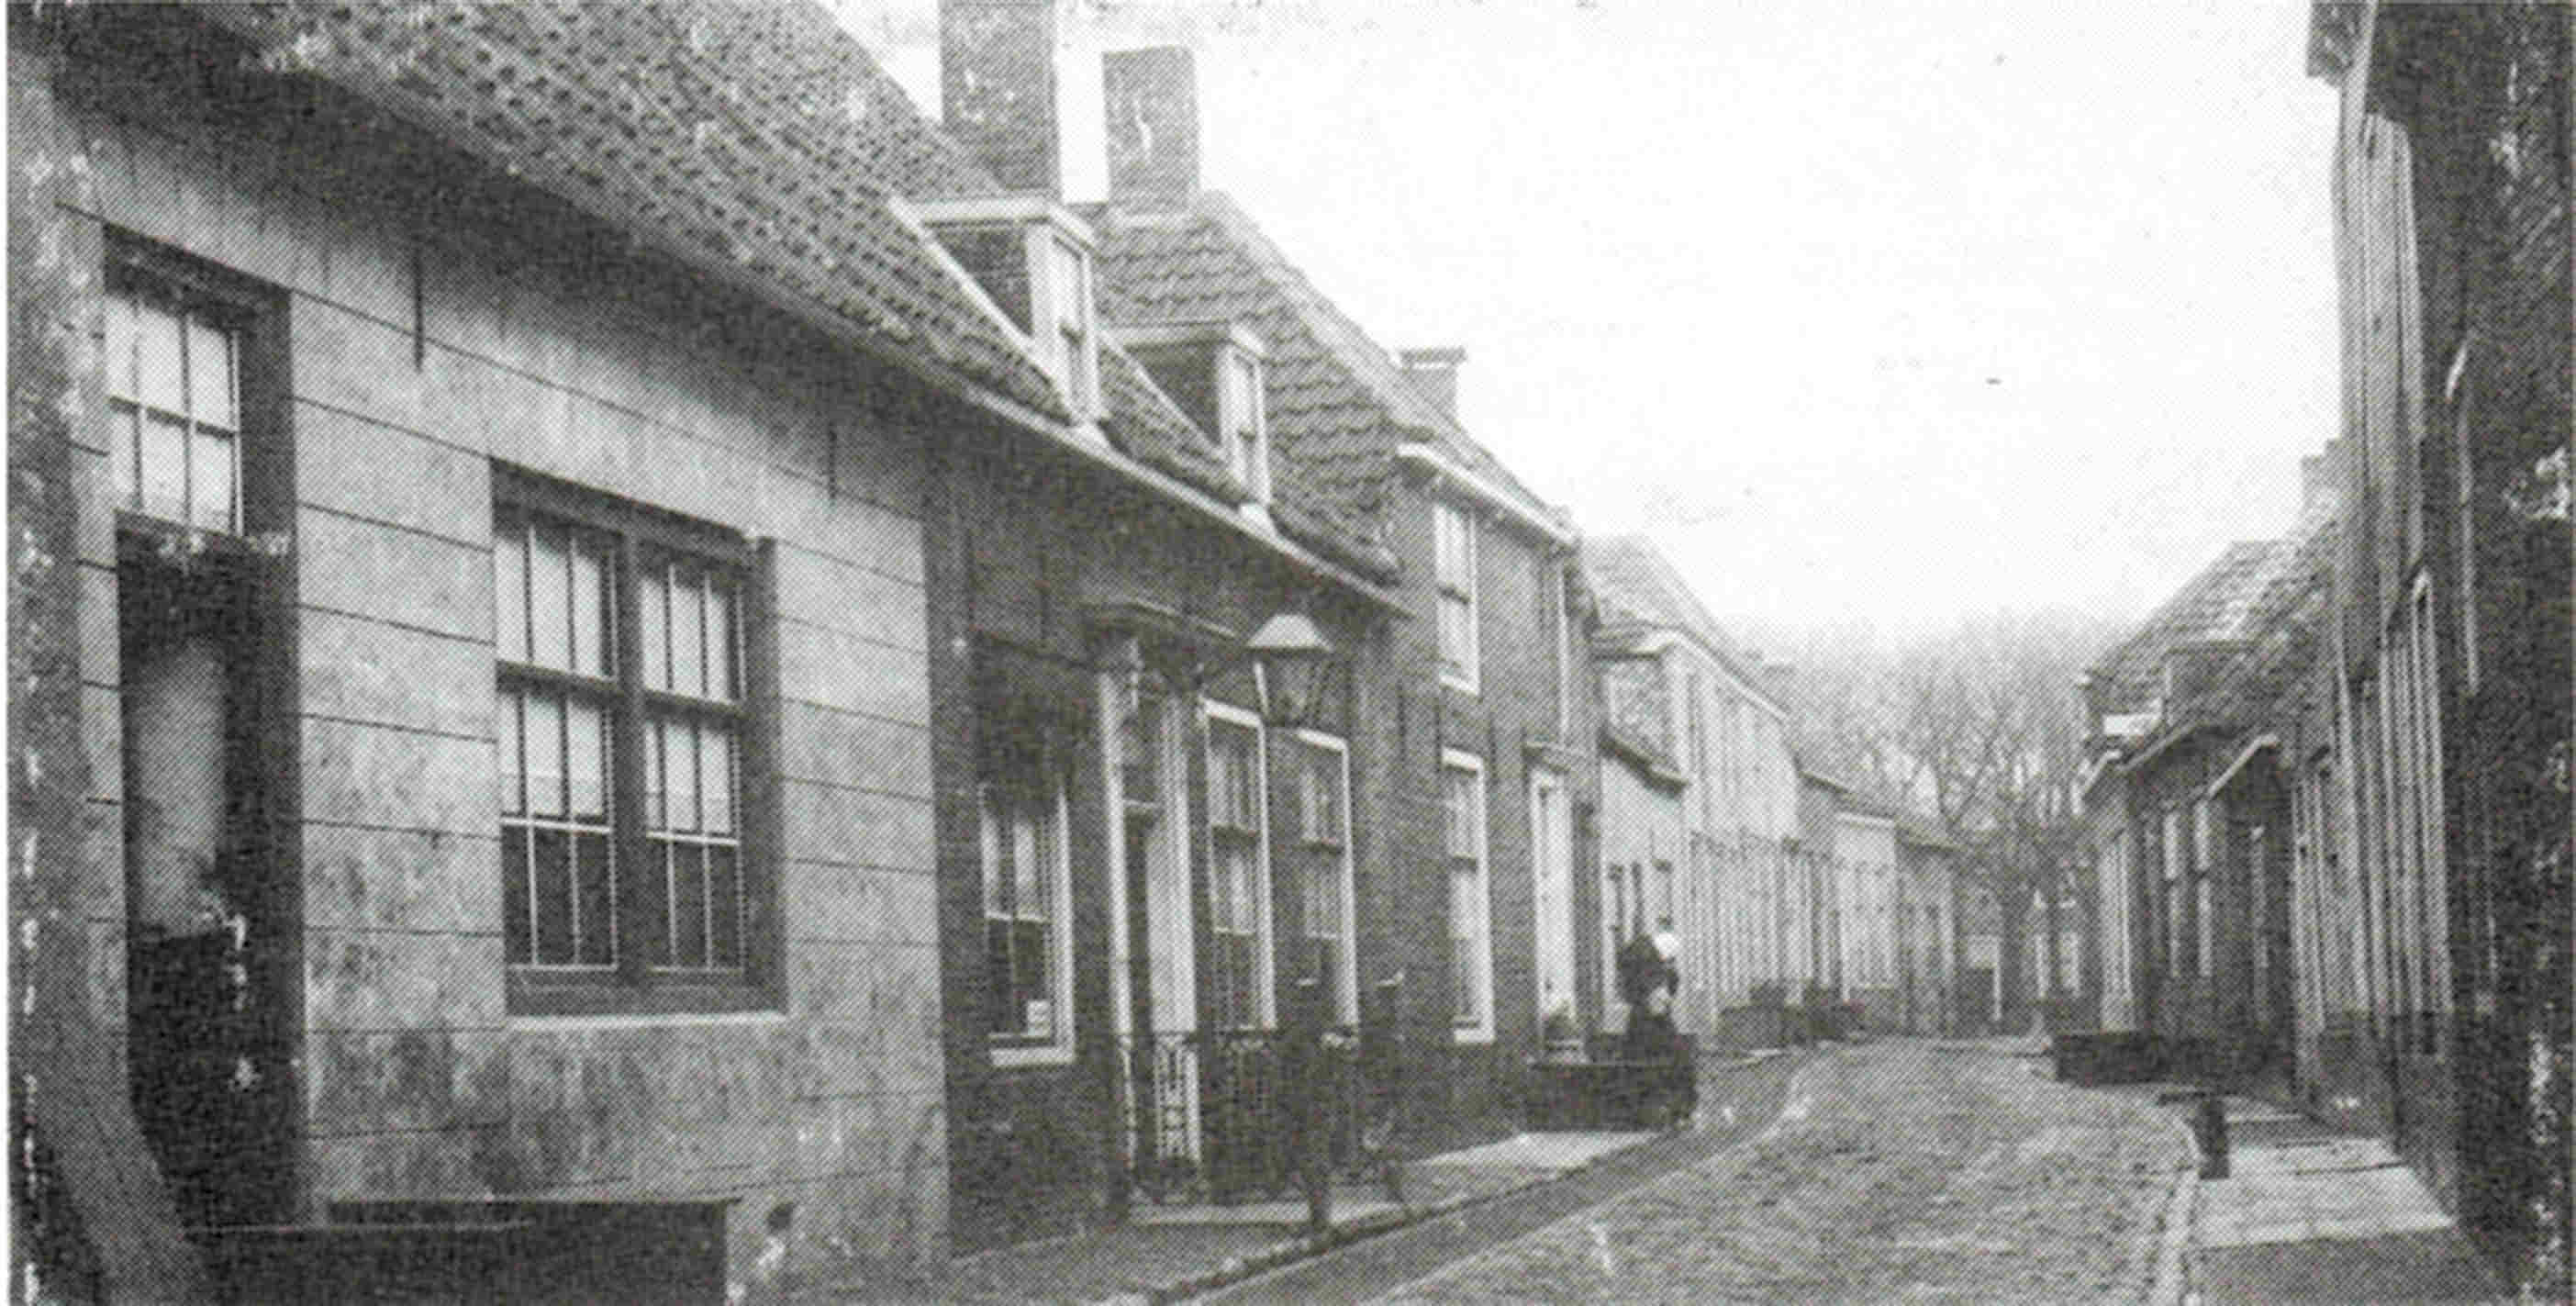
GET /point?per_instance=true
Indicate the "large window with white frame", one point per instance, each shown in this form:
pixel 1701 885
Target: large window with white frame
pixel 1238 870
pixel 1471 948
pixel 624 709
pixel 1028 1012
pixel 1323 870
pixel 1454 573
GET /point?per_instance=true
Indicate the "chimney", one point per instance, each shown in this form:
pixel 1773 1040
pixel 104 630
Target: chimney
pixel 1150 107
pixel 997 87
pixel 1434 374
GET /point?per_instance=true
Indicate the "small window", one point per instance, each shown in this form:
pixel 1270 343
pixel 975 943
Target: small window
pixel 1246 438
pixel 173 398
pixel 1238 874
pixel 1069 316
pixel 1471 954
pixel 1455 574
pixel 1026 902
pixel 618 641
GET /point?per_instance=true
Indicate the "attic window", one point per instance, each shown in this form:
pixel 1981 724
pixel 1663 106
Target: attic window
pixel 1032 259
pixel 1213 371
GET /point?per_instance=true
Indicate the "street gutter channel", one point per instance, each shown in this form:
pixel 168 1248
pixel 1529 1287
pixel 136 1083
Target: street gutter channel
pixel 1367 1261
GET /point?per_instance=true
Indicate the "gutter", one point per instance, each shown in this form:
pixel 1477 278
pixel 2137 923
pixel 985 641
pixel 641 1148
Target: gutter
pixel 1423 457
pixel 2156 749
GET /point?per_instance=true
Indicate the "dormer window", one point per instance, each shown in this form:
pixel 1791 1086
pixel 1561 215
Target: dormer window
pixel 1213 372
pixel 1031 259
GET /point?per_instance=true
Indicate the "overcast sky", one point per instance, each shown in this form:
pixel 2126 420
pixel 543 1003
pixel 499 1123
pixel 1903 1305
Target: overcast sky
pixel 1877 312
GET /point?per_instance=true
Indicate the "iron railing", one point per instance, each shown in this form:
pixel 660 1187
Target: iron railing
pixel 1236 1115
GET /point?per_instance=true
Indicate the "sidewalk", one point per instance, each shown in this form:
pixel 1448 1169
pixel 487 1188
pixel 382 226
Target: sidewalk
pixel 2311 1214
pixel 1168 1252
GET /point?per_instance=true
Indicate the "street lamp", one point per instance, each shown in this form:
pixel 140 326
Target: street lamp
pixel 1293 659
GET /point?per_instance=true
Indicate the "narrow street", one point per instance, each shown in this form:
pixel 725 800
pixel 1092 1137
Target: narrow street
pixel 1913 1169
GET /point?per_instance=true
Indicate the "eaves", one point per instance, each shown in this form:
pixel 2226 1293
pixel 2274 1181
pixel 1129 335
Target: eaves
pixel 1424 458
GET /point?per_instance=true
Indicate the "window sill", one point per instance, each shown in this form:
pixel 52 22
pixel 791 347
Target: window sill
pixel 1476 1034
pixel 1462 684
pixel 544 996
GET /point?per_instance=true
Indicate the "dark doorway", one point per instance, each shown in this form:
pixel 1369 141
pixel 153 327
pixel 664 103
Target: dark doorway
pixel 207 1047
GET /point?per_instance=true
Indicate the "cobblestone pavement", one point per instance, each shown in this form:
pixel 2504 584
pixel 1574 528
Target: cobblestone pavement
pixel 1902 1169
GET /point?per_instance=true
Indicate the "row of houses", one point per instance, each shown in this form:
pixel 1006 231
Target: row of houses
pixel 2327 807
pixel 602 610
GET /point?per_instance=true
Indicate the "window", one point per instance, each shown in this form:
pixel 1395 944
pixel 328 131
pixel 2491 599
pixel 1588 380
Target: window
pixel 174 412
pixel 1561 601
pixel 1028 1003
pixel 1247 443
pixel 1471 958
pixel 1069 317
pixel 2204 859
pixel 1238 878
pixel 623 717
pixel 1455 574
pixel 1323 870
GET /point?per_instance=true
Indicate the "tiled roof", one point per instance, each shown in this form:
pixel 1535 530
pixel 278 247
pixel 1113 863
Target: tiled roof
pixel 2281 627
pixel 1339 405
pixel 755 138
pixel 2211 606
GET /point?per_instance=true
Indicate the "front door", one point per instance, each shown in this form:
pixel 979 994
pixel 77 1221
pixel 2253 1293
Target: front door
pixel 206 1050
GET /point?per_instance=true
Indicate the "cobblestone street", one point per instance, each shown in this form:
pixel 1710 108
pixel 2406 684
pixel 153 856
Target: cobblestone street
pixel 1912 1169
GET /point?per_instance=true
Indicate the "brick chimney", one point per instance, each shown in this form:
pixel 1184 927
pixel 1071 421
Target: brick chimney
pixel 998 87
pixel 1434 374
pixel 1150 111
pixel 2321 484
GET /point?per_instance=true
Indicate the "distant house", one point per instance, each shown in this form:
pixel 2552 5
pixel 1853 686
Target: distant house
pixel 2187 815
pixel 1671 675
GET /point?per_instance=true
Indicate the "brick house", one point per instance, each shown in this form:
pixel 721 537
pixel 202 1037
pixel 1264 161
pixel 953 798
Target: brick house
pixel 1475 753
pixel 514 487
pixel 1149 855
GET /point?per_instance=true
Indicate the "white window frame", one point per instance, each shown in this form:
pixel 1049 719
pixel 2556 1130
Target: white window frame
pixel 1056 1051
pixel 1480 1027
pixel 1561 597
pixel 1451 520
pixel 1265 981
pixel 1347 1010
pixel 1044 225
pixel 1251 465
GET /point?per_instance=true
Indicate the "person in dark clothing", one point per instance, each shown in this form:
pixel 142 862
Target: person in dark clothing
pixel 1648 981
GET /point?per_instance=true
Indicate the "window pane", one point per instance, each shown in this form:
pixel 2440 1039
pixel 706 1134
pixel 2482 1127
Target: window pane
pixel 724 896
pixel 586 760
pixel 164 468
pixel 1002 1014
pixel 513 764
pixel 653 621
pixel 516 936
pixel 553 871
pixel 720 642
pixel 210 375
pixel 545 755
pixel 121 329
pixel 997 855
pixel 597 906
pixel 510 586
pixel 1030 864
pixel 716 777
pixel 688 627
pixel 160 371
pixel 210 468
pixel 589 615
pixel 124 446
pixel 688 905
pixel 550 598
pixel 657 785
pixel 680 774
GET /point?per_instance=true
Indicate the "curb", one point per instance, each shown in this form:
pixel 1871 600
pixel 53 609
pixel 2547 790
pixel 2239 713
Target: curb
pixel 2172 1283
